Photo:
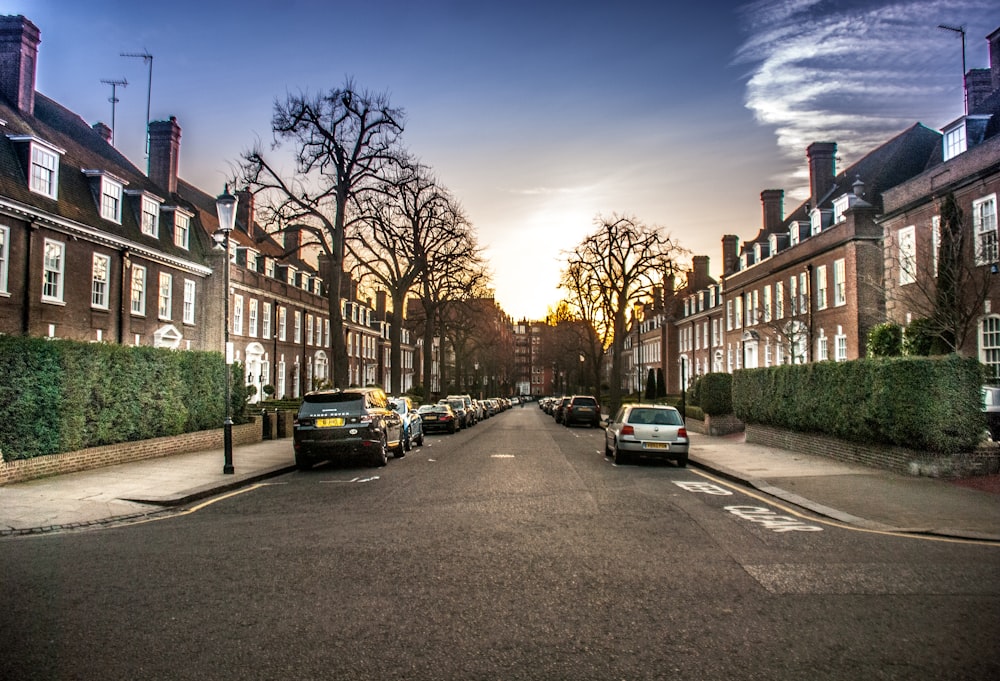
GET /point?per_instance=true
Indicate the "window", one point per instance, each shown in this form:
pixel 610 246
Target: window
pixel 738 312
pixel 779 300
pixel 100 278
pixel 989 344
pixel 954 141
pixel 53 274
pixel 984 223
pixel 803 292
pixel 729 315
pixel 767 303
pixel 297 327
pixel 282 323
pixel 4 257
pixel 44 170
pixel 238 315
pixel 182 229
pixel 190 288
pixel 309 329
pixel 150 217
pixel 111 199
pixel 822 350
pixel 840 341
pixel 821 287
pixel 840 282
pixel 252 318
pixel 138 290
pixel 935 242
pixel 907 255
pixel 265 321
pixel 165 295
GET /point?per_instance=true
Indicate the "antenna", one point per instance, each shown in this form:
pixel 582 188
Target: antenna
pixel 114 101
pixel 965 86
pixel 147 58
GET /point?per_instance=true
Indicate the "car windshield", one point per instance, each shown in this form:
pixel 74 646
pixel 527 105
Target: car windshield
pixel 332 403
pixel 658 417
pixel 584 402
pixel 432 407
pixel 457 404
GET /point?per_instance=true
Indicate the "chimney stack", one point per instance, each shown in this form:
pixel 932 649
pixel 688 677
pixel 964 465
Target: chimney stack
pixel 994 41
pixel 773 201
pixel 245 212
pixel 19 40
pixel 164 153
pixel 104 130
pixel 699 272
pixel 822 169
pixel 730 253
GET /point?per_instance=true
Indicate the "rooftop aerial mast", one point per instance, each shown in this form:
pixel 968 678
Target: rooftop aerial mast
pixel 147 58
pixel 115 84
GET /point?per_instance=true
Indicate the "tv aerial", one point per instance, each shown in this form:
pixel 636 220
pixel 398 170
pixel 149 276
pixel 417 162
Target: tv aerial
pixel 115 84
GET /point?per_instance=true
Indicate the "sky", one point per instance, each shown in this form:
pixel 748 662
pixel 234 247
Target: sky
pixel 540 116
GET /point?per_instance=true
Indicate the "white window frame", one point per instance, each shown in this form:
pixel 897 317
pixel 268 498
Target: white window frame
pixel 840 345
pixel 149 216
pixel 53 271
pixel 100 283
pixel 190 293
pixel 137 288
pixel 955 141
pixel 182 229
pixel 906 254
pixel 238 315
pixel 779 300
pixel 111 193
pixel 822 347
pixel 767 304
pixel 989 344
pixel 4 259
pixel 297 327
pixel 935 243
pixel 265 321
pixel 839 282
pixel 821 287
pixel 984 226
pixel 165 296
pixel 252 318
pixel 43 175
pixel 282 323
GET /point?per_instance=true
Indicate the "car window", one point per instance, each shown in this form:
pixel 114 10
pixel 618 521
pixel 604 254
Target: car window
pixel 332 403
pixel 659 417
pixel 620 416
pixel 457 404
pixel 584 402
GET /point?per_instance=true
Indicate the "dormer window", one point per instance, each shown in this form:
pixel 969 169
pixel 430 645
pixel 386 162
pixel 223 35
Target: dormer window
pixel 954 141
pixel 43 165
pixel 149 212
pixel 182 226
pixel 109 190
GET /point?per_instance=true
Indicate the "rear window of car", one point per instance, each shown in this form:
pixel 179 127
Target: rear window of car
pixel 584 402
pixel 457 404
pixel 658 417
pixel 333 403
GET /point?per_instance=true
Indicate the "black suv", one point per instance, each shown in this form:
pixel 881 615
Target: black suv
pixel 582 409
pixel 359 421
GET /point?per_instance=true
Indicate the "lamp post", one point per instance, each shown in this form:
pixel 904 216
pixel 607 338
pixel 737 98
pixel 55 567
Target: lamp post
pixel 225 205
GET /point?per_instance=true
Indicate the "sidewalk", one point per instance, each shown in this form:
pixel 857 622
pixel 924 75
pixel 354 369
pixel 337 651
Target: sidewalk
pixel 853 494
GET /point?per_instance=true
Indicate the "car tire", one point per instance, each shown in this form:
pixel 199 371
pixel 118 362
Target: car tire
pixel 407 443
pixel 620 457
pixel 682 461
pixel 607 450
pixel 302 462
pixel 452 428
pixel 420 440
pixel 381 456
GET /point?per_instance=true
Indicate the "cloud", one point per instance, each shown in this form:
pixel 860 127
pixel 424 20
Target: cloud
pixel 856 72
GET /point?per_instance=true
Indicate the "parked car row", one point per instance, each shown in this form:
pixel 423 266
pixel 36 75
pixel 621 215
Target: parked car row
pixel 365 423
pixel 635 431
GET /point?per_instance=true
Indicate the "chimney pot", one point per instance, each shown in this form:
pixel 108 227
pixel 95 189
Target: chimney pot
pixel 822 169
pixel 164 153
pixel 19 39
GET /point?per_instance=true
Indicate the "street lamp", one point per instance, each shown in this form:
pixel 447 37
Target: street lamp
pixel 225 206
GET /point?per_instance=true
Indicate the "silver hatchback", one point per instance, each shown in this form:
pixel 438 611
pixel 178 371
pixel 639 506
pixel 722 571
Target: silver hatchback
pixel 647 430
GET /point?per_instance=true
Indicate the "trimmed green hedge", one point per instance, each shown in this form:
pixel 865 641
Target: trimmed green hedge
pixel 915 402
pixel 61 396
pixel 713 393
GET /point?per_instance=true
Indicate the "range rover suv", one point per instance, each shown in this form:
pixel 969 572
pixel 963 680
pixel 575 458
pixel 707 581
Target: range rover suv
pixel 332 424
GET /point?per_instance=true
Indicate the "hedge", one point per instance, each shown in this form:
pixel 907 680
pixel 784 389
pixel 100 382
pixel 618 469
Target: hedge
pixel 914 402
pixel 60 396
pixel 714 393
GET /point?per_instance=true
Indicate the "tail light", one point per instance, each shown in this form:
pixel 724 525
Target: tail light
pixel 682 432
pixel 628 430
pixel 365 419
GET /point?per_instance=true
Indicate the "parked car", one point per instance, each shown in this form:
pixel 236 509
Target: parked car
pixel 582 409
pixel 338 423
pixel 991 409
pixel 647 430
pixel 560 408
pixel 438 417
pixel 413 431
pixel 462 414
pixel 471 418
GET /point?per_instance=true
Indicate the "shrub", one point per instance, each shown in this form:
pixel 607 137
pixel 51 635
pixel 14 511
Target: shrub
pixel 885 340
pixel 715 393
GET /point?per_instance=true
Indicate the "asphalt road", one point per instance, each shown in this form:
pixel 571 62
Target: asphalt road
pixel 513 550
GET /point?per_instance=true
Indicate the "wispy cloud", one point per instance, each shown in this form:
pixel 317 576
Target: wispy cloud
pixel 857 72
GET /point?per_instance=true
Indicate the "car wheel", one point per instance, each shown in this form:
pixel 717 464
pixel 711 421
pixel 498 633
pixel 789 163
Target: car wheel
pixel 302 462
pixel 407 444
pixel 682 461
pixel 607 450
pixel 420 440
pixel 381 456
pixel 399 451
pixel 452 428
pixel 620 457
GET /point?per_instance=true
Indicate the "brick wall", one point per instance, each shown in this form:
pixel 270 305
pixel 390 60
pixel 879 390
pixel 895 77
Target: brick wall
pixel 21 470
pixel 715 425
pixel 896 459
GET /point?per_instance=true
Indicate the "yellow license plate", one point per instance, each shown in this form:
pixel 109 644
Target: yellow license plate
pixel 329 423
pixel 657 445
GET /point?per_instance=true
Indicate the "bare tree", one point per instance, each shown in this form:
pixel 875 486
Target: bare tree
pixel 613 269
pixel 397 231
pixel 343 141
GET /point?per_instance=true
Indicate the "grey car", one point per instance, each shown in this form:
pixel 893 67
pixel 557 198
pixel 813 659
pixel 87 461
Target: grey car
pixel 336 423
pixel 647 430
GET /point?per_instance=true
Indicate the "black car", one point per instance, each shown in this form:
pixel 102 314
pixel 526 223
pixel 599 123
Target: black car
pixel 437 417
pixel 355 422
pixel 582 409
